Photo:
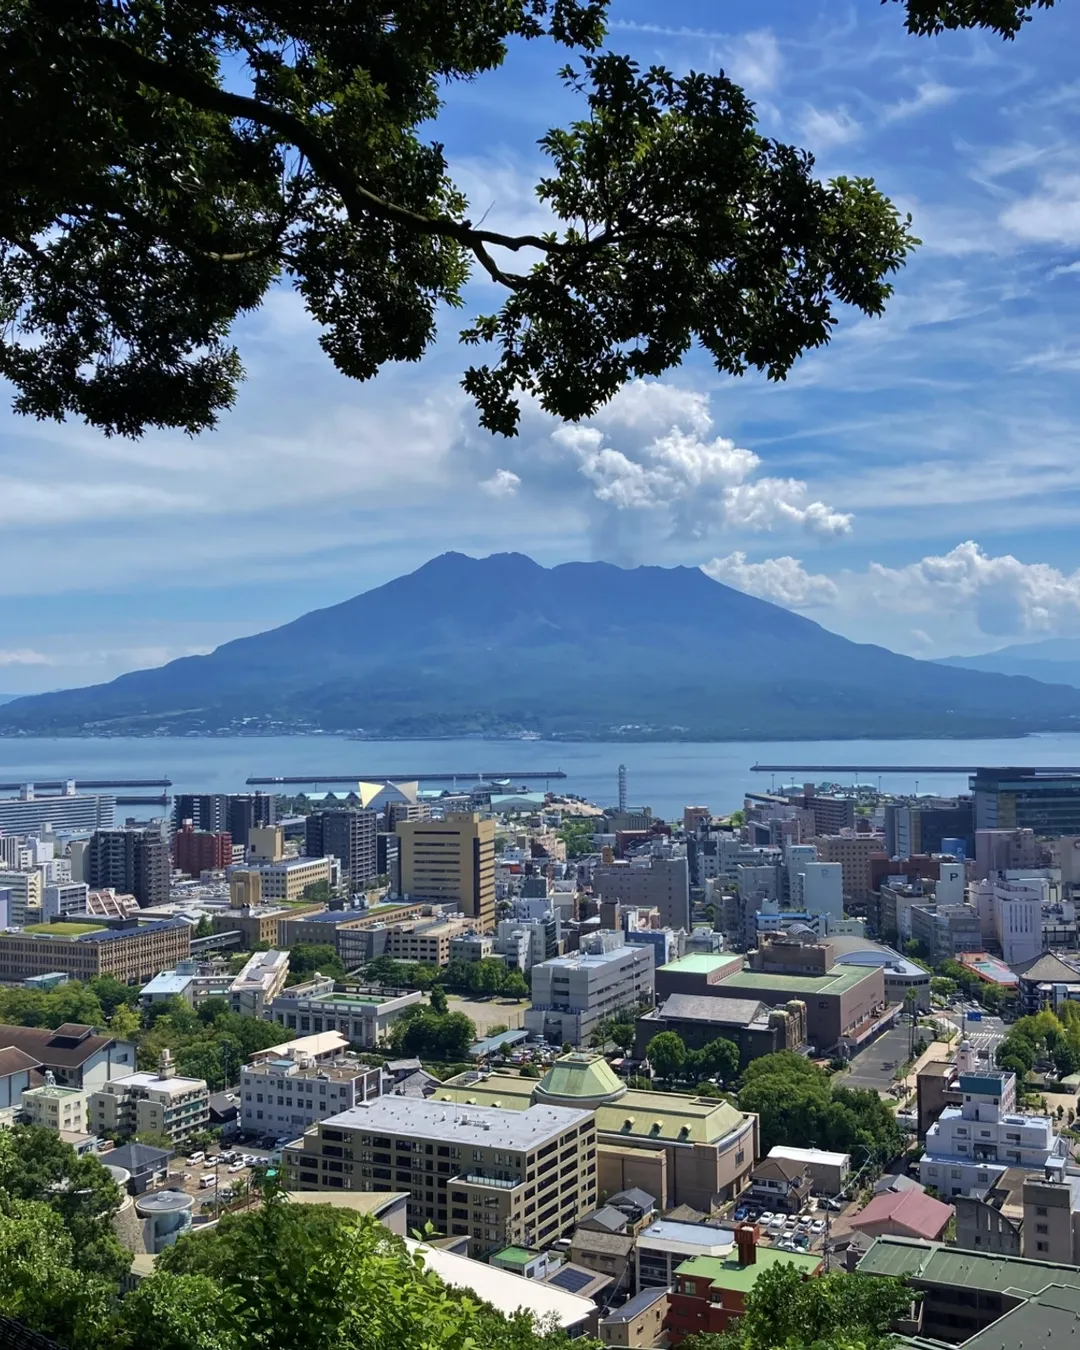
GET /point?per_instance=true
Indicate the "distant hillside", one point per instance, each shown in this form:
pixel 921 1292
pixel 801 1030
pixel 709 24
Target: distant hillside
pixel 1056 660
pixel 494 645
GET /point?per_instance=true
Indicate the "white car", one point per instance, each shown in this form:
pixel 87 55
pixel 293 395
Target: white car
pixel 817 1227
pixel 777 1224
pixel 236 1167
pixel 766 1218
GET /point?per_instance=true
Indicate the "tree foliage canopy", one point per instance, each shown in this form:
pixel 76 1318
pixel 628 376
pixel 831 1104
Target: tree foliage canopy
pixel 785 1310
pixel 165 164
pixel 799 1104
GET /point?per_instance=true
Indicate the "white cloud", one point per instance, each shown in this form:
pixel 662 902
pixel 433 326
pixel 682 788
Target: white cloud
pixel 782 580
pixel 1068 270
pixel 697 484
pixel 502 483
pixel 930 94
pixel 754 61
pixel 1007 597
pixel 822 128
pixel 1050 215
pixel 23 656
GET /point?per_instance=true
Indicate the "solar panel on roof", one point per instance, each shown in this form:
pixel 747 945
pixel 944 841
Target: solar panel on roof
pixel 572 1280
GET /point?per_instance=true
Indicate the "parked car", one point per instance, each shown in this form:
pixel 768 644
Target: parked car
pixel 206 1181
pixel 236 1167
pixel 818 1226
pixel 766 1217
pixel 195 1158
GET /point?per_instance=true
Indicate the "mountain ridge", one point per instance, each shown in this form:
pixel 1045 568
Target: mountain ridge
pixel 581 650
pixel 1051 660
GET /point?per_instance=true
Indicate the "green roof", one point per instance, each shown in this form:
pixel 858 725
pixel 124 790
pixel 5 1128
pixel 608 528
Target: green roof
pixel 936 1263
pixel 582 1076
pixel 838 981
pixel 514 1256
pixel 700 963
pixel 725 1272
pixel 63 929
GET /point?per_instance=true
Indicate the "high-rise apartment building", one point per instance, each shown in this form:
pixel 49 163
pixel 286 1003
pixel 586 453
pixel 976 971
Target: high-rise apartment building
pixel 451 860
pixel 131 861
pixel 350 836
pixel 245 812
pixel 197 851
pixel 206 810
pixel 498 1177
pixel 27 893
pixel 69 810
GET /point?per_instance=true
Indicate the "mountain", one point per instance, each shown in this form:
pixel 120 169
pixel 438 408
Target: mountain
pixel 500 644
pixel 1056 660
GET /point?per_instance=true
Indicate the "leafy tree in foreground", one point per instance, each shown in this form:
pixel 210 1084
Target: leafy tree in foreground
pixel 36 1165
pixel 165 164
pixel 785 1310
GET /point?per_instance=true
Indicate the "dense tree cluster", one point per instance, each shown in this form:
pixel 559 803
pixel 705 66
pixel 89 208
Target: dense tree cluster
pixel 799 1104
pixel 669 1057
pixel 486 978
pixel 423 1031
pixel 1046 1039
pixel 837 1310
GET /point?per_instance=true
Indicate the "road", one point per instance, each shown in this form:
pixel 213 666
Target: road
pixel 875 1067
pixel 984 1035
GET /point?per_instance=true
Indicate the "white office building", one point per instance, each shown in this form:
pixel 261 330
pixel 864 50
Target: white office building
pixel 259 983
pixel 64 898
pixel 971 1145
pixel 286 1094
pixel 571 994
pixel 27 891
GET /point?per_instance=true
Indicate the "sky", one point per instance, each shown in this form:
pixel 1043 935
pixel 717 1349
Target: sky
pixel 915 484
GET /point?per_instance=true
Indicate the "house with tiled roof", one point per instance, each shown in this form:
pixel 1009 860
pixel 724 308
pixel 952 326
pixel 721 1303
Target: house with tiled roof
pixel 903 1214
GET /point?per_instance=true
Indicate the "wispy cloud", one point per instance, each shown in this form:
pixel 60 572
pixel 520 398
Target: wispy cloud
pixel 927 95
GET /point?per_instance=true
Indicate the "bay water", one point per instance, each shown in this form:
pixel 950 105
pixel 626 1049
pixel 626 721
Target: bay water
pixel 664 775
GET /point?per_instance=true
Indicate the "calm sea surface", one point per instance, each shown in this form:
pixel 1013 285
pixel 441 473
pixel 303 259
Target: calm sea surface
pixel 665 776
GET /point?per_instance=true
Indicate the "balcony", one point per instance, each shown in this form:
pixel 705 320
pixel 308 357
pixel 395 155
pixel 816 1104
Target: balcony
pixel 478 1179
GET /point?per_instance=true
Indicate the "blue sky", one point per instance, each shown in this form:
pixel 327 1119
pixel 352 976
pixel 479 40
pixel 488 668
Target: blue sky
pixel 916 484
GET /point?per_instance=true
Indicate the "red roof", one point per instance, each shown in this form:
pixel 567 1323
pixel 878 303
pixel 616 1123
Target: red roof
pixel 919 1214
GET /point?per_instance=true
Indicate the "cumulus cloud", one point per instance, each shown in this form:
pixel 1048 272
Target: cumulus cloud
pixel 502 483
pixel 784 581
pixel 1007 597
pixel 650 451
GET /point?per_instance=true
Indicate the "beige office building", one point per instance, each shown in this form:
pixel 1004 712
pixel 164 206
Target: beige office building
pixel 451 860
pixel 151 1103
pixel 498 1177
pixel 60 1109
pixel 266 843
pixel 245 888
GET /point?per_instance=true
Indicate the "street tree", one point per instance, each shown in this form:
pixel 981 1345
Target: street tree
pixel 666 1052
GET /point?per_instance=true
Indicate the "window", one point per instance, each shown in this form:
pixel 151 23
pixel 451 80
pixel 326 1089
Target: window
pixel 1040 1210
pixel 955 1172
pixel 1041 1228
pixel 1042 1246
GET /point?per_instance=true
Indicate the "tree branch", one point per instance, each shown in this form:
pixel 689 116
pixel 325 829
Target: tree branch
pixel 358 200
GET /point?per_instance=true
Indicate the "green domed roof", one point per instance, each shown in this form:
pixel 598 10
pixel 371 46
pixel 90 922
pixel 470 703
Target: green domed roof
pixel 581 1079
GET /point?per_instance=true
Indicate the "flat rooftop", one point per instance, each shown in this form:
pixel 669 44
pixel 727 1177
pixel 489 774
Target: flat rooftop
pixel 701 963
pixel 836 981
pixel 687 1239
pixel 937 1263
pixel 480 1126
pixel 174 1087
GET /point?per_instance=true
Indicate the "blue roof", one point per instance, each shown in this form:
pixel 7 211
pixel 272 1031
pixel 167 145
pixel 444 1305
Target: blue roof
pixel 330 916
pixel 633 1306
pixel 494 1043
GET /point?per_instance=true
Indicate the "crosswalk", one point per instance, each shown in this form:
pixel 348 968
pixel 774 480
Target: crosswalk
pixel 984 1040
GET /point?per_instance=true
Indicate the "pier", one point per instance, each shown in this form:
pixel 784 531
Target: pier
pixel 84 784
pixel 909 768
